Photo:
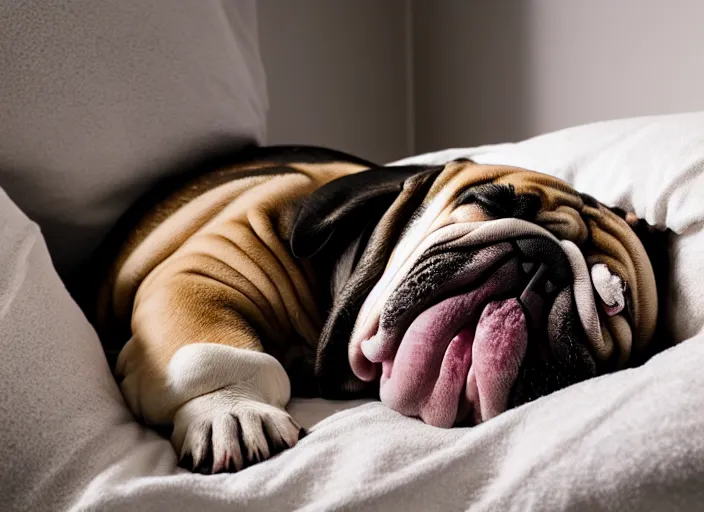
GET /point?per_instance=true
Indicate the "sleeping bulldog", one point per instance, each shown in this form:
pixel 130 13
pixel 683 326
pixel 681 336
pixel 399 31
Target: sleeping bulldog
pixel 451 292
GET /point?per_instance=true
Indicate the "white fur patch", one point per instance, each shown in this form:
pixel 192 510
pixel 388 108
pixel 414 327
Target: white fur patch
pixel 229 394
pixel 215 423
pixel 201 368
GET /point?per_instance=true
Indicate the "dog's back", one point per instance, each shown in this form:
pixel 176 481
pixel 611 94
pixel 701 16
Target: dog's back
pixel 161 220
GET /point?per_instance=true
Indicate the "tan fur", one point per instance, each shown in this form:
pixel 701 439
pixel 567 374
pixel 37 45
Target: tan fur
pixel 210 265
pixel 214 270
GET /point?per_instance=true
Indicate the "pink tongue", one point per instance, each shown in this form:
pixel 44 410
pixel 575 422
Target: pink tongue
pixel 431 373
pixel 499 346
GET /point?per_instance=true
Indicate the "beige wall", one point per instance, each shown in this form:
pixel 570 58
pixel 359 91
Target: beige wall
pixel 482 71
pixel 505 70
pixel 337 74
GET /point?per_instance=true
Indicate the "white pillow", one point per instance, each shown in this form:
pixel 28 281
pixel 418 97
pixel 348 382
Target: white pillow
pixel 651 165
pixel 62 419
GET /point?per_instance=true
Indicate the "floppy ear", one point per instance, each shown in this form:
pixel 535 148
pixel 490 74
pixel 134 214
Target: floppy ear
pixel 655 241
pixel 350 202
pixel 376 205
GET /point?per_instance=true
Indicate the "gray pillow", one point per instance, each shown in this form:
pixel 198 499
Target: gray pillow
pixel 100 99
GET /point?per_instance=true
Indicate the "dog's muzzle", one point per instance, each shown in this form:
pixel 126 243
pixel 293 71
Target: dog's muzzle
pixel 478 318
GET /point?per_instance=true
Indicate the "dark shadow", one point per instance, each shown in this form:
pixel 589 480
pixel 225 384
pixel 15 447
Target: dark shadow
pixel 470 73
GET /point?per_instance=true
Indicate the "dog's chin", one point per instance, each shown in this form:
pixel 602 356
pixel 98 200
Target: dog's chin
pixel 489 338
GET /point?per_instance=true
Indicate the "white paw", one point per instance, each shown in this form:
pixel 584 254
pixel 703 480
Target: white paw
pixel 225 432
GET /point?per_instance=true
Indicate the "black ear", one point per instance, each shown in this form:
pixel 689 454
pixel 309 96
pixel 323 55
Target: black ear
pixel 348 202
pixel 654 240
pixel 377 205
pixel 656 243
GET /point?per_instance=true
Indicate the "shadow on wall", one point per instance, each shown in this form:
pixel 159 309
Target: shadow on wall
pixel 489 72
pixel 337 74
pixel 470 69
pixel 388 78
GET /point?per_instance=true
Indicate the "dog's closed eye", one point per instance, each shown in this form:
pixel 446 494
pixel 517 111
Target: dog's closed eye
pixel 501 201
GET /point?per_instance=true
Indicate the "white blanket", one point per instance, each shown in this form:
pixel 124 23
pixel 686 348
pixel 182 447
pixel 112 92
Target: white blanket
pixel 628 441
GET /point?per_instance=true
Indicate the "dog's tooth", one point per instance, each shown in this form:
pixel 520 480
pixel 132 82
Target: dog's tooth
pixel 610 288
pixel 549 287
pixel 527 266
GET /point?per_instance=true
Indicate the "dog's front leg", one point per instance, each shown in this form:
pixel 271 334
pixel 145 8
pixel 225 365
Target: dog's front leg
pixel 195 362
pixel 236 425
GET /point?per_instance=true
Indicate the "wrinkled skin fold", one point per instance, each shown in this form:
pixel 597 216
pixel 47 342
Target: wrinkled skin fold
pixel 504 285
pixel 451 292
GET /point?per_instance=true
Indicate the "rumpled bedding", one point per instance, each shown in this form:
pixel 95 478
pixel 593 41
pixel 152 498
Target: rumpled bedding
pixel 633 440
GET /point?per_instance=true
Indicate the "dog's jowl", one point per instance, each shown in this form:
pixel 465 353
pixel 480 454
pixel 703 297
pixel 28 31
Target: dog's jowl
pixel 451 292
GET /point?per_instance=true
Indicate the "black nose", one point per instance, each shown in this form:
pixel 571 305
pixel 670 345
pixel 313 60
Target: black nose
pixel 534 294
pixel 546 271
pixel 544 251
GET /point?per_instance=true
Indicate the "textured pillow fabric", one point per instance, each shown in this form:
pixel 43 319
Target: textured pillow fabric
pixel 99 99
pixel 62 419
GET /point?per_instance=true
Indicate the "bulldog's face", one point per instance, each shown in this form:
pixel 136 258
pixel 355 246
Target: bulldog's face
pixel 463 290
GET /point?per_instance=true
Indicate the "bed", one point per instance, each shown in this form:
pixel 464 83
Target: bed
pixel 633 440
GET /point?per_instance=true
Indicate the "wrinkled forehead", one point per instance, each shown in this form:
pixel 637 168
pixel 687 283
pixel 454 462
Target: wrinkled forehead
pixel 469 192
pixel 460 182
